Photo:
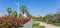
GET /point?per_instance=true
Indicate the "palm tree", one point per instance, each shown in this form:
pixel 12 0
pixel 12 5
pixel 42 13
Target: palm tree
pixel 27 13
pixel 23 8
pixel 15 14
pixel 9 11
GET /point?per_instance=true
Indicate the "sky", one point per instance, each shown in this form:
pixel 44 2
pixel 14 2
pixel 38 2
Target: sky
pixel 4 4
pixel 35 7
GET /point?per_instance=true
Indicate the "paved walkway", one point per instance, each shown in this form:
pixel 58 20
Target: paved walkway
pixel 28 24
pixel 47 25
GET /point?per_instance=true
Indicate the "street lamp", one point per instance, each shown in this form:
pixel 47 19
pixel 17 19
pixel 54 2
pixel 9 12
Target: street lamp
pixel 18 9
pixel 17 3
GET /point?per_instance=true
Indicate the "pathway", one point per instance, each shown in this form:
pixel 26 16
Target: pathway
pixel 47 25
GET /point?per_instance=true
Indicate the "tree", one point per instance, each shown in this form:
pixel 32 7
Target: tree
pixel 48 18
pixel 28 14
pixel 15 14
pixel 58 11
pixel 23 8
pixel 9 11
pixel 20 16
pixel 56 16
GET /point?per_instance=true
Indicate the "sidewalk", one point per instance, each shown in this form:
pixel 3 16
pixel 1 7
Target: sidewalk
pixel 47 25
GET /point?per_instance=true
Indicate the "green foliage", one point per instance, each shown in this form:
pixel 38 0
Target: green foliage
pixel 20 16
pixel 9 11
pixel 23 8
pixel 38 27
pixel 52 19
pixel 36 23
pixel 15 14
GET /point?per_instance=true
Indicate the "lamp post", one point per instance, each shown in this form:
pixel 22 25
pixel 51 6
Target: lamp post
pixel 17 3
pixel 18 9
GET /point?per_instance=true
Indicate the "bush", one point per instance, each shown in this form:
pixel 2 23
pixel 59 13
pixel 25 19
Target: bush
pixel 36 23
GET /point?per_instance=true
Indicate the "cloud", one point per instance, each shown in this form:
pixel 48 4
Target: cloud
pixel 15 3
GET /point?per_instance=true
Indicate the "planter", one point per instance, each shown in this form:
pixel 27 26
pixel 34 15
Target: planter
pixel 28 24
pixel 13 27
pixel 21 27
pixel 17 27
pixel 13 22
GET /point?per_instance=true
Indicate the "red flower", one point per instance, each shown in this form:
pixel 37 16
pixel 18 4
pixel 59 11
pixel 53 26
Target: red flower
pixel 26 20
pixel 17 19
pixel 13 19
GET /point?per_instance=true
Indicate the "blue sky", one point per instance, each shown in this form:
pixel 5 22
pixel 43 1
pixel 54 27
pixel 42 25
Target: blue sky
pixel 35 7
pixel 4 4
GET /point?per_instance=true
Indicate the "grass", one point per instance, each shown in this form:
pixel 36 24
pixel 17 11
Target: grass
pixel 36 23
pixel 56 24
pixel 38 27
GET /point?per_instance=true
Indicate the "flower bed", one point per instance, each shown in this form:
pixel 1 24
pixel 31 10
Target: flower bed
pixel 12 22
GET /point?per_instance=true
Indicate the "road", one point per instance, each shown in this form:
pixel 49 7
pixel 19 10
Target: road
pixel 47 25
